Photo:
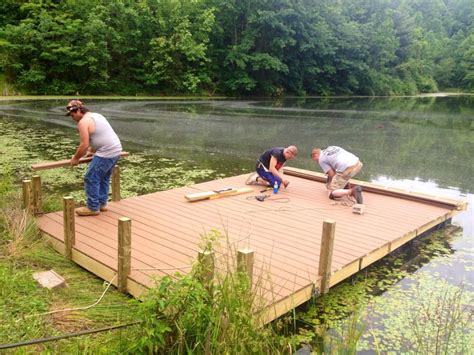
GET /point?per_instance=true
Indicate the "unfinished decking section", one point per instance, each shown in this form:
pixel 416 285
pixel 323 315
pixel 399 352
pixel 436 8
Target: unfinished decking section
pixel 284 231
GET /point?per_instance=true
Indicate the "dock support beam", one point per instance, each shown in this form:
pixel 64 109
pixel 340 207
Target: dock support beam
pixel 245 260
pixel 69 226
pixel 27 195
pixel 124 252
pixel 116 183
pixel 325 255
pixel 37 195
pixel 206 261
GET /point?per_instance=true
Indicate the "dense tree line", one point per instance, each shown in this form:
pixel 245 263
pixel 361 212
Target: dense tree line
pixel 237 47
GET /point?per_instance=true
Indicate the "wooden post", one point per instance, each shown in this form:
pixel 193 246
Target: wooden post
pixel 325 254
pixel 27 195
pixel 245 259
pixel 206 259
pixel 37 196
pixel 69 226
pixel 124 252
pixel 116 183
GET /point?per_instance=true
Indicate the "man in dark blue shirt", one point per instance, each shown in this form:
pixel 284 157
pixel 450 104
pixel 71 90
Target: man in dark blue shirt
pixel 269 166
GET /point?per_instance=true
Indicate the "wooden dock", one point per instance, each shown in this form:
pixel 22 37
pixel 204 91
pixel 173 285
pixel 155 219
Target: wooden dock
pixel 284 231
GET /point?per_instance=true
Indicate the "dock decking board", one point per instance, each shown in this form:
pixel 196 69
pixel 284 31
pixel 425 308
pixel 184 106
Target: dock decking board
pixel 286 237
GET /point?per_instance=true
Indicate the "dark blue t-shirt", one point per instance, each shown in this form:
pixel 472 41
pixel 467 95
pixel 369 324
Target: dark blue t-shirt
pixel 276 152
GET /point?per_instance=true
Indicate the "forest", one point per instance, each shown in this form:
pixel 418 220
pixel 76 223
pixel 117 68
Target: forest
pixel 237 47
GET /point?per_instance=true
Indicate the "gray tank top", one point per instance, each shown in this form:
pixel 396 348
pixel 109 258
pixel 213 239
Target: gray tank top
pixel 104 140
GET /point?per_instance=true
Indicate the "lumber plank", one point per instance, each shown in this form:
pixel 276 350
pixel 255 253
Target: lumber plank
pixel 65 162
pixel 384 190
pixel 344 272
pixel 280 307
pixel 211 195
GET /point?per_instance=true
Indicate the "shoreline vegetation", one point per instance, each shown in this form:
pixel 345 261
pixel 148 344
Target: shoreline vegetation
pixel 233 48
pixel 199 97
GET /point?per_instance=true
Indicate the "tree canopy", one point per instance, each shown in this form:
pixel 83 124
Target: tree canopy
pixel 237 47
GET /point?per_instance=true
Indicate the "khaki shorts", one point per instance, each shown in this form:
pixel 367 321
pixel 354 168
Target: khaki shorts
pixel 340 180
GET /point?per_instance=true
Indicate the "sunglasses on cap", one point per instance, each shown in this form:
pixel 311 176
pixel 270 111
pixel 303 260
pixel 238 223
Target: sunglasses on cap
pixel 70 109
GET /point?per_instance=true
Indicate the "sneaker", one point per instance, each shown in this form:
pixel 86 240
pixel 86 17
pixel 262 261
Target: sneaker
pixel 252 179
pixel 356 191
pixel 85 211
pixel 104 208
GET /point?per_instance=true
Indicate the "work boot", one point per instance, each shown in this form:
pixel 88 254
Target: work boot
pixel 104 208
pixel 252 179
pixel 85 211
pixel 356 192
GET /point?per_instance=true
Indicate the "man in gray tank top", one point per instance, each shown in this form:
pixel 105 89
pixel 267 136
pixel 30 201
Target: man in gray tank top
pixel 340 166
pixel 97 138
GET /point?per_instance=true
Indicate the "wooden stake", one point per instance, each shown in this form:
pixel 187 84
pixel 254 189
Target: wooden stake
pixel 116 183
pixel 206 259
pixel 124 252
pixel 325 255
pixel 245 260
pixel 69 226
pixel 37 195
pixel 27 195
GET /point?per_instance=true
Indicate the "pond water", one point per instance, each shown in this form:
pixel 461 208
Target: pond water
pixel 421 144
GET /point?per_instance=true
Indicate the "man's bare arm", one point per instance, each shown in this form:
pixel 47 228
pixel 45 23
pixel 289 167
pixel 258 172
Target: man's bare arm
pixel 83 127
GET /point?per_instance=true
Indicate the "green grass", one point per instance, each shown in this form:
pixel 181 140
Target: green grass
pixel 29 311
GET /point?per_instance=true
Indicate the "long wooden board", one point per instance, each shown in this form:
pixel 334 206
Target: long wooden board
pixel 210 195
pixel 383 190
pixel 65 162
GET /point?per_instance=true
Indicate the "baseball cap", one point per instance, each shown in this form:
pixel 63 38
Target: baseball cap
pixel 73 106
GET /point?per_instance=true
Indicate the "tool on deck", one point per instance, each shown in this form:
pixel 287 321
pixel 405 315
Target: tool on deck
pixel 261 198
pixel 358 208
pixel 222 190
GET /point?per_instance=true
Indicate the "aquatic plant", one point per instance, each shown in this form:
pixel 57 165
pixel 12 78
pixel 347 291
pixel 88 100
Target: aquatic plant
pixel 141 173
pixel 393 306
pixel 437 319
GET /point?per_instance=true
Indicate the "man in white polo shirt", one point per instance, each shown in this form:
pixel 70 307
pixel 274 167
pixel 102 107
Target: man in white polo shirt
pixel 340 166
pixel 97 138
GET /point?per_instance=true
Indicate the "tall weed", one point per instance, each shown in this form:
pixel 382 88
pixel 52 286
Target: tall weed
pixel 18 228
pixel 183 314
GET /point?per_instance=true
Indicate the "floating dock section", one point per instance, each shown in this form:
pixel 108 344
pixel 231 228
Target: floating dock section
pixel 284 232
